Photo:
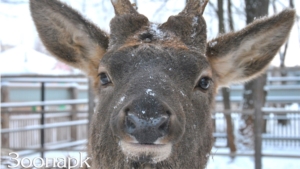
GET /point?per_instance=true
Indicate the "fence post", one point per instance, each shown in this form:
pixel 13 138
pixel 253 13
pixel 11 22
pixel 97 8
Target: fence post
pixel 259 100
pixel 91 105
pixel 42 131
pixel 4 115
pixel 74 95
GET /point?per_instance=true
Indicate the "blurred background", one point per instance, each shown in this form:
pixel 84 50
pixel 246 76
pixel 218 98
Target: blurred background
pixel 45 102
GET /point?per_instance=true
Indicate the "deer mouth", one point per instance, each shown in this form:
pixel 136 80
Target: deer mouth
pixel 151 153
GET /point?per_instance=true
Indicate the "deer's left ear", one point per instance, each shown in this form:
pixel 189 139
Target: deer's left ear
pixel 243 55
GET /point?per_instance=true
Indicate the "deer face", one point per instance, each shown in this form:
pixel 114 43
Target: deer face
pixel 149 95
pixel 153 78
pixel 156 83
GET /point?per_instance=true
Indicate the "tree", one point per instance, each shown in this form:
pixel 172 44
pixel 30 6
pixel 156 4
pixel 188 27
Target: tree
pixel 225 91
pixel 283 71
pixel 254 94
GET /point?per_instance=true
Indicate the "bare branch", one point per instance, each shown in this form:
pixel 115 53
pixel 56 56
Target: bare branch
pixel 283 54
pixel 160 8
pixel 239 11
pixel 214 8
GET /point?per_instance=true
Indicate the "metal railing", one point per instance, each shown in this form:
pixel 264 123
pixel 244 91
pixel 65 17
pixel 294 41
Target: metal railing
pixel 283 139
pixel 5 106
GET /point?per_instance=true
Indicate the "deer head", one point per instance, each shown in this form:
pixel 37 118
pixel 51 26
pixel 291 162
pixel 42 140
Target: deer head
pixel 156 83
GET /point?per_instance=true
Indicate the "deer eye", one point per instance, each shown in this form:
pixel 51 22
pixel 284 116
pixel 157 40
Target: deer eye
pixel 204 83
pixel 104 79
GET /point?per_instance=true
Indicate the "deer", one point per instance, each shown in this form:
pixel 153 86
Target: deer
pixel 156 83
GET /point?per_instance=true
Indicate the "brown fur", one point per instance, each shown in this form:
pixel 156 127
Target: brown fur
pixel 155 72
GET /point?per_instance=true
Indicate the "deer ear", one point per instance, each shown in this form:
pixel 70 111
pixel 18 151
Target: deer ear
pixel 242 56
pixel 68 36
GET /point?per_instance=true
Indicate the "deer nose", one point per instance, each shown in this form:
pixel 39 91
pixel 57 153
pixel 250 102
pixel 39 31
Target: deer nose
pixel 146 130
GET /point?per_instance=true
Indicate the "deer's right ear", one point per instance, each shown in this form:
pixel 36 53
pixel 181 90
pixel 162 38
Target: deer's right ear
pixel 68 36
pixel 243 55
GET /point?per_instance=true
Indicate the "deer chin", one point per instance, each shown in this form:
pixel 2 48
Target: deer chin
pixel 149 153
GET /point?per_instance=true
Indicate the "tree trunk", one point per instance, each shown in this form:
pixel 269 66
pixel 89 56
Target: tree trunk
pixel 225 91
pixel 230 20
pixel 73 117
pixel 254 9
pixel 4 116
pixel 283 73
pixel 221 17
pixel 229 124
pixel 292 4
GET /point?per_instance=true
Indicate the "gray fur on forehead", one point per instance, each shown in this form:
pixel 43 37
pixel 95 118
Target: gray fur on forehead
pixel 187 30
pixel 179 64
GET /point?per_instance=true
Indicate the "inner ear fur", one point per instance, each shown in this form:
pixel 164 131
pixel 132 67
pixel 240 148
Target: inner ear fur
pixel 243 55
pixel 68 36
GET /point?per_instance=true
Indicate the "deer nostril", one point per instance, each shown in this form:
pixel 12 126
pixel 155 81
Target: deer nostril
pixel 130 124
pixel 168 113
pixel 164 125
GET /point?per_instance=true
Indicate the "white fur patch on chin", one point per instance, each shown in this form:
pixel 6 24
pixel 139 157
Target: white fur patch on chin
pixel 156 152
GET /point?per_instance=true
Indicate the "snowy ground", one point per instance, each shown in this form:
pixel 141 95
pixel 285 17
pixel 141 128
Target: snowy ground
pixel 225 162
pixel 216 161
pixel 221 162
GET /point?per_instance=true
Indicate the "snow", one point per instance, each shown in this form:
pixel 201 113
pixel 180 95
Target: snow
pixel 150 92
pixel 212 44
pixel 182 93
pixel 121 100
pixel 195 21
pixel 23 60
pixel 215 161
pixel 156 31
pixel 221 162
pixel 247 162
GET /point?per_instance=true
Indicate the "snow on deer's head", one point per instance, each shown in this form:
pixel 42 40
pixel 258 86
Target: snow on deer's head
pixel 156 82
